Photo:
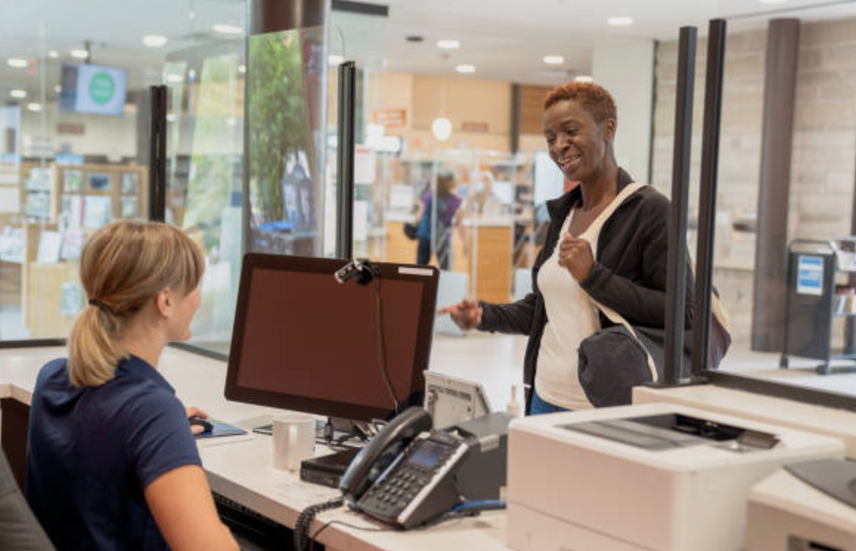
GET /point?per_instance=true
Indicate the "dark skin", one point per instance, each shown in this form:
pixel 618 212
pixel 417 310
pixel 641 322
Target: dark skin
pixel 582 148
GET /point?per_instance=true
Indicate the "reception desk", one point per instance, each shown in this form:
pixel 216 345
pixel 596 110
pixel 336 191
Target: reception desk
pixel 240 467
pixel 489 261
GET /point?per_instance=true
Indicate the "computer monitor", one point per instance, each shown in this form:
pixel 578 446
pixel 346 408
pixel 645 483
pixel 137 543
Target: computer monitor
pixel 303 341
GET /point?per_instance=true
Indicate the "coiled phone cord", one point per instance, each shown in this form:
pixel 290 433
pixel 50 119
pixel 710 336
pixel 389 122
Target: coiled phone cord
pixel 305 518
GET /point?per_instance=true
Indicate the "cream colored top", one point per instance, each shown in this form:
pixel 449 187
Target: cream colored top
pixel 571 318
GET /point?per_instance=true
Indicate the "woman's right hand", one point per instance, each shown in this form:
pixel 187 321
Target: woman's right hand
pixel 466 314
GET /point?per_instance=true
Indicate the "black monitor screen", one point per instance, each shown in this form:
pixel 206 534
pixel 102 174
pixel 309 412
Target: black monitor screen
pixel 303 341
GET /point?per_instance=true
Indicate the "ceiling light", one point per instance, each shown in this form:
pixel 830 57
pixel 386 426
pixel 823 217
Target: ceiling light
pixel 227 29
pixel 232 121
pixel 171 117
pixel 441 128
pixel 79 54
pixel 466 68
pixel 53 54
pixel 36 107
pixel 242 69
pixel 583 78
pixel 448 44
pixel 554 59
pixel 18 93
pixel 154 40
pixel 620 21
pixel 174 78
pixel 335 59
pixel 772 1
pixel 57 88
pixel 17 62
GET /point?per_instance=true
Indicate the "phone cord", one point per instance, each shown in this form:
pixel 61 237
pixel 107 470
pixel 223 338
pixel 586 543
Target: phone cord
pixel 305 518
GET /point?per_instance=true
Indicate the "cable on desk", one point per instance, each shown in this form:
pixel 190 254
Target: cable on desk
pixel 476 506
pixel 305 518
pixel 343 523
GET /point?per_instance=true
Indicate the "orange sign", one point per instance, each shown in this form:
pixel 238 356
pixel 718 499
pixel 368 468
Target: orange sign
pixel 471 126
pixel 390 118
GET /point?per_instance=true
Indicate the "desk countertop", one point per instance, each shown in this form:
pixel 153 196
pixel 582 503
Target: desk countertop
pixel 240 467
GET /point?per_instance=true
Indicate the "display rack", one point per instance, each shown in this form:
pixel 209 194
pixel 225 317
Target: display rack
pixel 814 301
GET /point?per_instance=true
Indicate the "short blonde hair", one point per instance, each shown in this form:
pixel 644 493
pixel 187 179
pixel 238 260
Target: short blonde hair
pixel 123 266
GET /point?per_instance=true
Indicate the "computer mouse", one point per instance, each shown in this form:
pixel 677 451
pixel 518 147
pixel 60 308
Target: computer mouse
pixel 202 422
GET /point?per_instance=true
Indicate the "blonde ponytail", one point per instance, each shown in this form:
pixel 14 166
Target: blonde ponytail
pixel 123 266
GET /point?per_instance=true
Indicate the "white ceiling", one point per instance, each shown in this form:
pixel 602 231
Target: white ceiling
pixel 504 39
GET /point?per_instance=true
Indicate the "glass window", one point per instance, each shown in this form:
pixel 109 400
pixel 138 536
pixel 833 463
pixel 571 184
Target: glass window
pixel 74 147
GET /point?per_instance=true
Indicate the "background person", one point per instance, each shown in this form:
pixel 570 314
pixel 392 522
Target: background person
pixel 111 462
pixel 627 273
pixel 438 225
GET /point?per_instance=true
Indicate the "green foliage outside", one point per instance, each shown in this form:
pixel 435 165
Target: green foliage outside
pixel 277 123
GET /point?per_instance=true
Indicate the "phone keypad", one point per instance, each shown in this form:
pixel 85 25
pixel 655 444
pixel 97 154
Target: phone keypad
pixel 392 495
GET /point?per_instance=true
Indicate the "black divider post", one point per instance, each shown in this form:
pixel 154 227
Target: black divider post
pixel 345 161
pixel 707 193
pixel 677 261
pixel 157 153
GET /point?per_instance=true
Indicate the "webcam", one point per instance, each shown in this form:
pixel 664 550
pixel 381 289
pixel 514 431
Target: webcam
pixel 359 268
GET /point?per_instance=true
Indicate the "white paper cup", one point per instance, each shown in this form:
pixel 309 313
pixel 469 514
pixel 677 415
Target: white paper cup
pixel 293 440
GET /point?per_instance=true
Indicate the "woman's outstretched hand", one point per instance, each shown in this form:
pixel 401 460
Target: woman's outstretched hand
pixel 466 314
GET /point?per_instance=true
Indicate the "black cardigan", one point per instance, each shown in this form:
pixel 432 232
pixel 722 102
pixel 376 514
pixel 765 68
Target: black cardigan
pixel 629 272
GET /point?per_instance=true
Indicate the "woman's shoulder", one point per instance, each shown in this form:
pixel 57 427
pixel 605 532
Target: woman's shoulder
pixel 651 202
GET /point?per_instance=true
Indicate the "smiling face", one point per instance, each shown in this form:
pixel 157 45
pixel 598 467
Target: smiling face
pixel 578 144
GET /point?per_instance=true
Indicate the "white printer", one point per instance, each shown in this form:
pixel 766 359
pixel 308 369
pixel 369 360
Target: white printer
pixel 808 506
pixel 652 477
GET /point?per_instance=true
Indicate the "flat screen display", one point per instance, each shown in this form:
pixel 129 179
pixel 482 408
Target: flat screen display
pixel 303 341
pixel 93 89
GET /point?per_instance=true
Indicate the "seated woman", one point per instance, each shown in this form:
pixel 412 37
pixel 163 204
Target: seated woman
pixel 112 463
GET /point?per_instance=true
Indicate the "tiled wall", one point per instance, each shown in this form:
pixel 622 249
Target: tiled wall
pixel 824 146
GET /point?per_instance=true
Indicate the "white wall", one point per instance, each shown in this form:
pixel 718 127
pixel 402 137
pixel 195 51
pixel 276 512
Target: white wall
pixel 625 67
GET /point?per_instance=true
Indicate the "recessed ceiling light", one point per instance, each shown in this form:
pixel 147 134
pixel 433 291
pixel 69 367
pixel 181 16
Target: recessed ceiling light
pixel 242 69
pixel 34 107
pixel 171 117
pixel 334 59
pixel 620 21
pixel 18 93
pixel 227 29
pixel 79 54
pixel 57 88
pixel 448 44
pixel 53 54
pixel 154 40
pixel 554 59
pixel 466 68
pixel 583 78
pixel 17 62
pixel 174 78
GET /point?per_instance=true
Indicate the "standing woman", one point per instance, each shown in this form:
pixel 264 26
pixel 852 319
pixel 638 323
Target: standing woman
pixel 449 215
pixel 627 273
pixel 112 463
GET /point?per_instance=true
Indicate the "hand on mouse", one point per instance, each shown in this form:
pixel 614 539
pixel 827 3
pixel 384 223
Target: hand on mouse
pixel 196 412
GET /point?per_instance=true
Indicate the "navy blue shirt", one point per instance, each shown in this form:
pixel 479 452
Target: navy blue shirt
pixel 93 450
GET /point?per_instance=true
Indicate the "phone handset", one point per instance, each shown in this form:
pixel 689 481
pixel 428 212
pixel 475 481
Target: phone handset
pixel 382 450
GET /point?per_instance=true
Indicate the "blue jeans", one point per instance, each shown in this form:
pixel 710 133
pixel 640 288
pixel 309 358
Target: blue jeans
pixel 540 407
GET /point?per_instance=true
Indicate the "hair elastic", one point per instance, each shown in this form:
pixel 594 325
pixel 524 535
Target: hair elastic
pixel 100 305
